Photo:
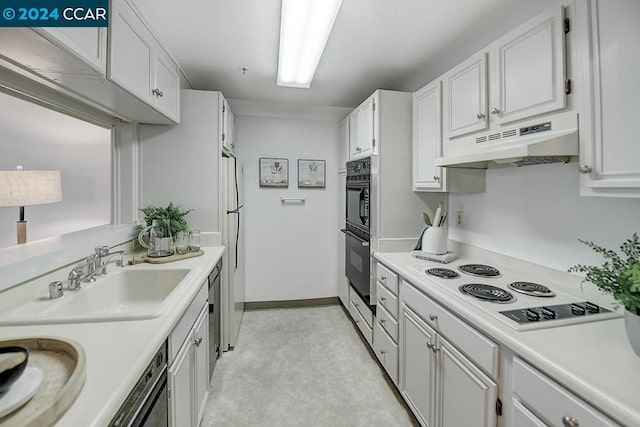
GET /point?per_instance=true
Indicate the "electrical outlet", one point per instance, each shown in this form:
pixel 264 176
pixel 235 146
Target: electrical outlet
pixel 459 221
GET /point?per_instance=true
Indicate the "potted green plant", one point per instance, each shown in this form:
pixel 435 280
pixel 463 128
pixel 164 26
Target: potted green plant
pixel 620 277
pixel 174 213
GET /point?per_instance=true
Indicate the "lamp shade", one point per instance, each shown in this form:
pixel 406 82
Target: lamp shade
pixel 29 187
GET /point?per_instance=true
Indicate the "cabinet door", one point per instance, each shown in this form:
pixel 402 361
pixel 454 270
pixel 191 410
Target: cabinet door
pixel 354 135
pixel 461 384
pixel 466 97
pixel 167 84
pixel 367 113
pixel 386 350
pixel 89 44
pixel 343 145
pixel 201 364
pixel 528 70
pixel 417 366
pixel 130 52
pixel 522 417
pixel 609 150
pixel 180 387
pixel 427 138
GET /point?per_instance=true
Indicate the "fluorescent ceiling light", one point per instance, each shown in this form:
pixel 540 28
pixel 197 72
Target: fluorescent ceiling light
pixel 304 29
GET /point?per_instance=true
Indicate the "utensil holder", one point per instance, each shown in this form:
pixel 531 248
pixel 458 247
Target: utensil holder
pixel 434 240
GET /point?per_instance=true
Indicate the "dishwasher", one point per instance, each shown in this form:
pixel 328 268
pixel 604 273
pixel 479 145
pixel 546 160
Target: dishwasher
pixel 215 319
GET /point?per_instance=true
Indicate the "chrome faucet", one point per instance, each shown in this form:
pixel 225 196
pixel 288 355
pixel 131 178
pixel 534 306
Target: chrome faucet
pixel 94 266
pixel 104 258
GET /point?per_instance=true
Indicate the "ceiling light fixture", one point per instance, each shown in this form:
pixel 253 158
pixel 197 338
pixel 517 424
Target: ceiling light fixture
pixel 304 30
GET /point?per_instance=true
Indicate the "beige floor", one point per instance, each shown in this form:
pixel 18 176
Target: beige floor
pixel 301 367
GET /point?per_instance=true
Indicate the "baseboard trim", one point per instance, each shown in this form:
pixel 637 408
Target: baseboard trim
pixel 296 303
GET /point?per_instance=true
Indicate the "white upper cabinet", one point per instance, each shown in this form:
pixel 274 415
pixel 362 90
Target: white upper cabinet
pixel 527 69
pixel 610 59
pixel 362 130
pixel 521 75
pixel 427 146
pixel 427 137
pixel 131 52
pixel 138 63
pixel 228 127
pixel 89 44
pixel 466 97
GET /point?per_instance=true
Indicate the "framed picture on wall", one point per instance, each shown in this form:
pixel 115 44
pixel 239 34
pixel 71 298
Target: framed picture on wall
pixel 274 172
pixel 311 173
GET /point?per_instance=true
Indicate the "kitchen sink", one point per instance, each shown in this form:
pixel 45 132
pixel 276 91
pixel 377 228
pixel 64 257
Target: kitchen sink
pixel 121 295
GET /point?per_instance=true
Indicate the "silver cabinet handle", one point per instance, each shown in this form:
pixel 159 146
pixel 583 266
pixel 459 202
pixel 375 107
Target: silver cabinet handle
pixel 433 317
pixel 568 421
pixel 160 94
pixel 366 244
pixel 585 169
pixel 383 278
pixel 197 341
pixel 495 111
pixel 383 299
pixel 435 349
pixel 356 304
pixel 358 149
pixel 382 321
pixel 480 116
pixel 382 352
pixel 429 345
pixel 436 178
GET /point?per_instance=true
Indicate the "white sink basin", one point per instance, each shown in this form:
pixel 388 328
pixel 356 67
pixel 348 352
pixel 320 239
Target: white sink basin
pixel 121 295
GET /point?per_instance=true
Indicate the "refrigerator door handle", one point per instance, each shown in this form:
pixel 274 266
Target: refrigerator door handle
pixel 236 210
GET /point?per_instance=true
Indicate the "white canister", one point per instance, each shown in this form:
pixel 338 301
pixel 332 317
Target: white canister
pixel 434 240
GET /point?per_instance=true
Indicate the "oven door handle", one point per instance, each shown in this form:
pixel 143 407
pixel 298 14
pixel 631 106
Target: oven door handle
pixel 362 241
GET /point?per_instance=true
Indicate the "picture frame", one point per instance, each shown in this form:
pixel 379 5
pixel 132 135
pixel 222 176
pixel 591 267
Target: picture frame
pixel 274 172
pixel 312 173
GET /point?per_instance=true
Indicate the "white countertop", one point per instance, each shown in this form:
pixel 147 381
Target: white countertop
pixel 118 352
pixel 593 360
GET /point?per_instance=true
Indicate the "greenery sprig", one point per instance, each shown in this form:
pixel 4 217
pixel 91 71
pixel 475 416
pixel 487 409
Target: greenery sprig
pixel 175 213
pixel 618 276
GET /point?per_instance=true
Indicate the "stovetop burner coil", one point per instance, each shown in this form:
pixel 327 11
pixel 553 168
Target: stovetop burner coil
pixel 479 270
pixel 487 293
pixel 532 289
pixel 443 273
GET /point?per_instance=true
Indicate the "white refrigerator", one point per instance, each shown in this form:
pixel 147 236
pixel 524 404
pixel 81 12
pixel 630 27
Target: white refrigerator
pixel 232 293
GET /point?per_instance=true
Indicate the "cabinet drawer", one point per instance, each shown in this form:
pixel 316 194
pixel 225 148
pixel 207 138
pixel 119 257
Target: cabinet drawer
pixel 386 351
pixel 183 327
pixel 387 300
pixel 551 401
pixel 479 348
pixel 522 417
pixel 387 322
pixel 388 278
pixel 362 324
pixel 361 306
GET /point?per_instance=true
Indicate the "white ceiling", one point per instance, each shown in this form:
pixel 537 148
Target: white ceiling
pixel 392 44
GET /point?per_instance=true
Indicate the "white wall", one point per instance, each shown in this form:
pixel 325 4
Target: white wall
pixel 289 247
pixel 37 138
pixel 535 213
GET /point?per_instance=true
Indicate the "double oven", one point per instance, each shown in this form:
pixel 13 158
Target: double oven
pixel 358 231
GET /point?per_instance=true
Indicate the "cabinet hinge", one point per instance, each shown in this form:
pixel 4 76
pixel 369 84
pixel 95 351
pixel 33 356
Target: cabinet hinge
pixel 567 86
pixel 223 108
pixel 374 142
pixel 499 407
pixel 373 105
pixel 223 136
pixel 567 25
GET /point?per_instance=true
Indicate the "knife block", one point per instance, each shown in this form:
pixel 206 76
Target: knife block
pixel 434 240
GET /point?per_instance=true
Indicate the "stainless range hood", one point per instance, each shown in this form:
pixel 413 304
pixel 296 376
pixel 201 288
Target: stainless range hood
pixel 550 140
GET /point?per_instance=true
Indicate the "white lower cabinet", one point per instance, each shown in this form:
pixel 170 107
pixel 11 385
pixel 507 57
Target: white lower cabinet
pixel 189 375
pixel 540 401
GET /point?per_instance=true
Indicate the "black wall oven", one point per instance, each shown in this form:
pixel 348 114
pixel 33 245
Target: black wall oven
pixel 357 232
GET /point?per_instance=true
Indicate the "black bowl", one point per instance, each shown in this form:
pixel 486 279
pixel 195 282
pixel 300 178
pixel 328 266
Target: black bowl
pixel 12 373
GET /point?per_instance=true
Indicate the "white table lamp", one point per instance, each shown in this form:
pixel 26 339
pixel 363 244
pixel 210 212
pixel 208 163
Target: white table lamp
pixel 20 188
